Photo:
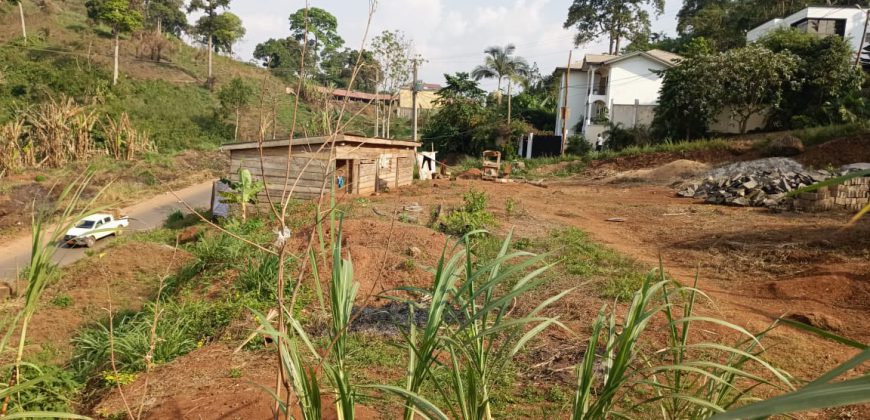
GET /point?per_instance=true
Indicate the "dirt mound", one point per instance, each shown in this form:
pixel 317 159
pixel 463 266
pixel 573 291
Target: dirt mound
pixel 837 152
pixel 82 290
pixel 736 150
pixel 472 173
pixel 382 255
pixel 787 145
pixel 210 383
pixel 673 171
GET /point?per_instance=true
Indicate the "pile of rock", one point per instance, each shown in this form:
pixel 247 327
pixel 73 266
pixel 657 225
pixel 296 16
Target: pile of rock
pixel 764 182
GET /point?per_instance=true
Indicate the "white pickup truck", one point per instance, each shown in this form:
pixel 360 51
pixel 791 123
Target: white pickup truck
pixel 96 226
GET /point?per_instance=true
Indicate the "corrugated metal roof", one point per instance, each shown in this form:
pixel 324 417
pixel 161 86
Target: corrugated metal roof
pixel 353 94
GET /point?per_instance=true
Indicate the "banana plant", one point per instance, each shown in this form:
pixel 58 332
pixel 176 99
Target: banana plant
pixel 243 192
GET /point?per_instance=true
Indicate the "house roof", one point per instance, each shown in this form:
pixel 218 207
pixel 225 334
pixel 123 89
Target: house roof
pixel 425 87
pixel 339 138
pixel 354 94
pixel 664 57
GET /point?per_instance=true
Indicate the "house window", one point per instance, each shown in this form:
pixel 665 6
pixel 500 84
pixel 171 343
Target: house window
pixel 822 27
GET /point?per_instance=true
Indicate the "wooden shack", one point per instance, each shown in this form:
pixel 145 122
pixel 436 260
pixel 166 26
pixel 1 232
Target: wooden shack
pixel 352 164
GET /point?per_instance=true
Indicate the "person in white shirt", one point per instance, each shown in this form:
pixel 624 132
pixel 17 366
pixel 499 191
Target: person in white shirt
pixel 599 143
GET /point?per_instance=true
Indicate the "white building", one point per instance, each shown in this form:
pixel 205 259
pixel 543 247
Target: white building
pixel 606 88
pixel 845 22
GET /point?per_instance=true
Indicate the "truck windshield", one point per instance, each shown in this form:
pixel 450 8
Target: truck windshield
pixel 85 224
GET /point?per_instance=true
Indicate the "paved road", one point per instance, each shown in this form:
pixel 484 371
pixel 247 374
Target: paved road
pixel 145 215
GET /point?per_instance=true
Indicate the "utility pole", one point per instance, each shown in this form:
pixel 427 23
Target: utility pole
pixel 377 105
pixel 564 109
pixel 863 36
pixel 509 103
pixel 414 90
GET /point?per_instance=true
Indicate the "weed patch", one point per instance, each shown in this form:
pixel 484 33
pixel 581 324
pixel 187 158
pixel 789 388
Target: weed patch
pixel 615 275
pixel 470 217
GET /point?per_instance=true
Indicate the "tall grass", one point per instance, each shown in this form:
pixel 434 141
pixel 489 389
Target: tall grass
pixel 685 379
pixel 26 376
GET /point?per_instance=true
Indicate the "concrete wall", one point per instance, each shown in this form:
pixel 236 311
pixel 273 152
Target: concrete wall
pixel 425 99
pixel 578 92
pixel 853 16
pixel 633 79
pixel 626 114
pixel 725 124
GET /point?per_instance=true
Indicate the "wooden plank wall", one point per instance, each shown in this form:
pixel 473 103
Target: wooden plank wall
pixel 309 167
pixel 399 172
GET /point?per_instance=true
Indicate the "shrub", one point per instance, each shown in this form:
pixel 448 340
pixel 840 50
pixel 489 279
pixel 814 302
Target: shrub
pixel 578 145
pixel 470 217
pixel 62 300
pixel 619 137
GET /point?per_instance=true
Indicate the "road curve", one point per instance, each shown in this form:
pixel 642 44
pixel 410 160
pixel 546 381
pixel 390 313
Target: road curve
pixel 145 215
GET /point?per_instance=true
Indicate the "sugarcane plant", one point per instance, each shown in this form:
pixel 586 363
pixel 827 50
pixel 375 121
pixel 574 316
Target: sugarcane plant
pixel 22 375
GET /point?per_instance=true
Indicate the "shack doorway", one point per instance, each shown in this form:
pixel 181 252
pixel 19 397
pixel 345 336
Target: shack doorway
pixel 344 176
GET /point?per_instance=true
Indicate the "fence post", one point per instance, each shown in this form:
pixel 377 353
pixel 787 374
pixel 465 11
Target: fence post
pixel 636 106
pixel 529 145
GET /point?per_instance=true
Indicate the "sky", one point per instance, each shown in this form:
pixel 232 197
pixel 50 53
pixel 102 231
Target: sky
pixel 449 34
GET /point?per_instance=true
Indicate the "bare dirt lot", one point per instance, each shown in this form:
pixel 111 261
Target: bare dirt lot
pixel 756 265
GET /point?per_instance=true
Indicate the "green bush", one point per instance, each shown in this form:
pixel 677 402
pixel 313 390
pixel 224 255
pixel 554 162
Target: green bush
pixel 470 217
pixel 181 328
pixel 52 394
pixel 578 145
pixel 62 300
pixel 619 137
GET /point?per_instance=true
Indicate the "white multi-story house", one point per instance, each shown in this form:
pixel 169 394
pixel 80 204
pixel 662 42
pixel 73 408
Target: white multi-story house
pixel 607 88
pixel 845 22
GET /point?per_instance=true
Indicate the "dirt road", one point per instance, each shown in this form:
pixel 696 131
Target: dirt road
pixel 145 215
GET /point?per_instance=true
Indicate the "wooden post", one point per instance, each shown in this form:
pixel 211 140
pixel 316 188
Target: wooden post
pixel 414 98
pixel 23 26
pixel 564 109
pixel 509 103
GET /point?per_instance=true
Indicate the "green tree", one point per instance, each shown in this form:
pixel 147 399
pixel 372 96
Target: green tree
pixel 119 16
pixel 227 30
pixel 500 63
pixel 318 27
pixel 614 19
pixel 831 88
pixel 338 68
pixel 235 96
pixel 745 81
pixel 537 102
pixel 284 56
pixel 755 80
pixel 461 112
pixel 166 16
pixel 393 51
pixel 207 25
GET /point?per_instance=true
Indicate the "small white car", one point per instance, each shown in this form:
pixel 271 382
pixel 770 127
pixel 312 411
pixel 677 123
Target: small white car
pixel 96 226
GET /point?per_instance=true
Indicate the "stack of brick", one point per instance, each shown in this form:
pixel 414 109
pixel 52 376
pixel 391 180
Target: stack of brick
pixel 854 195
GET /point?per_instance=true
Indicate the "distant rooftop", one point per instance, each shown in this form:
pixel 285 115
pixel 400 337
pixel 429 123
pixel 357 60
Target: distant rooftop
pixel 665 57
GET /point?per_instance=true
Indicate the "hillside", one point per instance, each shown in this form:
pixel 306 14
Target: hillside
pixel 67 54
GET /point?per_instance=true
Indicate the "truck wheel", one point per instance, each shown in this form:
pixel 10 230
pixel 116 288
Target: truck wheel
pixel 90 241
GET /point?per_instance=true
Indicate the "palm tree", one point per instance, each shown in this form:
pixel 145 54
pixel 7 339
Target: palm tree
pixel 500 63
